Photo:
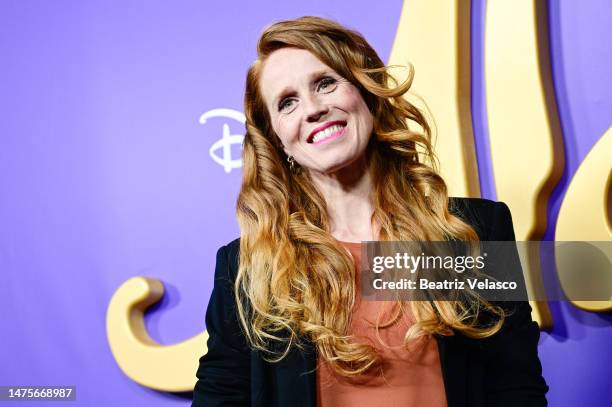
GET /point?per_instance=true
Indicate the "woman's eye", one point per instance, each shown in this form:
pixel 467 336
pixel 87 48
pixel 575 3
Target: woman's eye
pixel 285 104
pixel 327 84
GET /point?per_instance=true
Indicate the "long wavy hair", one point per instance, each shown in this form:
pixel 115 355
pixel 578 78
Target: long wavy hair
pixel 295 281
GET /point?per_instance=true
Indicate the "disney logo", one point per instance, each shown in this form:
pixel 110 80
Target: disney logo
pixel 221 150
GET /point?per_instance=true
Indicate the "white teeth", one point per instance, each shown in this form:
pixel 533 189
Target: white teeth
pixel 326 133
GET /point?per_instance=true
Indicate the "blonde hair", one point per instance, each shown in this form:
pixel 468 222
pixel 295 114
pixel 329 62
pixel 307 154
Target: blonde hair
pixel 294 279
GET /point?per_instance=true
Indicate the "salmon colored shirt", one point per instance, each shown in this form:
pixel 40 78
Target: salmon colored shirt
pixel 409 377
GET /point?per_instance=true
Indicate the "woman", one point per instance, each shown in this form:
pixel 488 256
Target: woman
pixel 330 161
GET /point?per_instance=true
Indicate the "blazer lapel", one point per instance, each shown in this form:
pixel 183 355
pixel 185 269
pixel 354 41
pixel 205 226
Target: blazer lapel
pixel 453 359
pixel 296 377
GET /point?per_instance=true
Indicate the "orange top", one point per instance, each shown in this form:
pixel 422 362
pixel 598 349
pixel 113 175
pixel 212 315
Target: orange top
pixel 409 377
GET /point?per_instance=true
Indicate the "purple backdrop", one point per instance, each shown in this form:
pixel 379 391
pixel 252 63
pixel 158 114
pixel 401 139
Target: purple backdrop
pixel 105 172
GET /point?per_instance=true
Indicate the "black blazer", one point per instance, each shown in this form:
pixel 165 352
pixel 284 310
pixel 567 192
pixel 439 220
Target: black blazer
pixel 502 370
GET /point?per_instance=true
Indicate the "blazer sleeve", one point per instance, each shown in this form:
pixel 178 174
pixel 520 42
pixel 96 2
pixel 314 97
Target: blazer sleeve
pixel 224 371
pixel 513 368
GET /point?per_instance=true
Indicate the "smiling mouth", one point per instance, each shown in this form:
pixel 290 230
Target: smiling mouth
pixel 326 133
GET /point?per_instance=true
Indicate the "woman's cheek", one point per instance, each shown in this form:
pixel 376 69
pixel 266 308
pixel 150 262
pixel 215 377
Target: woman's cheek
pixel 279 129
pixel 291 130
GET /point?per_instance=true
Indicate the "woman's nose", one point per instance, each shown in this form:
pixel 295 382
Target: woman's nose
pixel 314 108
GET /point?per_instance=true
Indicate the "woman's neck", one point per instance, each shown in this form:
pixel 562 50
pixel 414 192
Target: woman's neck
pixel 348 195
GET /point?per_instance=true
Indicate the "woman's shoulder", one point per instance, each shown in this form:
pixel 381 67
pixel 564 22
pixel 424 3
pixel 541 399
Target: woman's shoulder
pixel 491 220
pixel 233 247
pixel 227 260
pixel 472 206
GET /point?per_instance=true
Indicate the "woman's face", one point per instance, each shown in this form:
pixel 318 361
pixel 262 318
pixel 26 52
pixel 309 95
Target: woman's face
pixel 320 117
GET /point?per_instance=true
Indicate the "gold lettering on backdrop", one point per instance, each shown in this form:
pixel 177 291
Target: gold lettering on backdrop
pixel 435 37
pixel 524 131
pixel 160 367
pixel 586 215
pixel 525 147
pixel 435 34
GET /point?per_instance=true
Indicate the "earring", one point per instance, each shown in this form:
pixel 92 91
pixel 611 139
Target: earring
pixel 292 166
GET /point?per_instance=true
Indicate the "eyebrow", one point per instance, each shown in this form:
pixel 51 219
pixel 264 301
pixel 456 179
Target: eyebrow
pixel 287 91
